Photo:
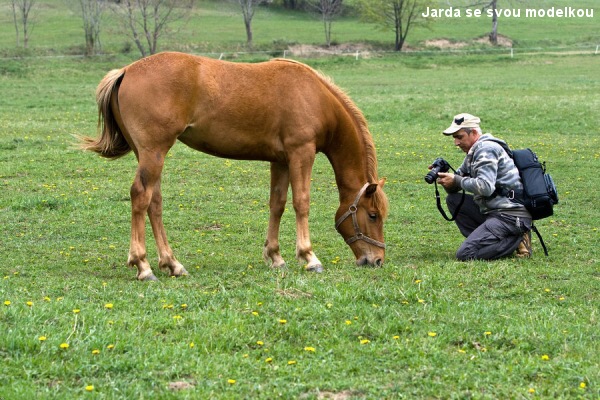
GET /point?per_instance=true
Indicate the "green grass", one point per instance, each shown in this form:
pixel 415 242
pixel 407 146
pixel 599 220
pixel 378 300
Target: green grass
pixel 501 328
pixel 423 326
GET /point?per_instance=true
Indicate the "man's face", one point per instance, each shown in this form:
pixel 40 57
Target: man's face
pixel 464 140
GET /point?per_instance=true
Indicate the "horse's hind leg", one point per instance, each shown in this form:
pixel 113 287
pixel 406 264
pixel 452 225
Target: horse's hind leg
pixel 166 259
pixel 146 198
pixel 280 180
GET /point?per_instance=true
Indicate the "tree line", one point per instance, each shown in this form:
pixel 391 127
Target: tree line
pixel 146 21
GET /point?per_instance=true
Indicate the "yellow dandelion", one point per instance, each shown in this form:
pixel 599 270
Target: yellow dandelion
pixel 310 349
pixel 396 337
pixel 231 381
pixel 365 341
pixel 29 304
pixel 177 317
pixel 184 306
pixel 348 322
pixel 293 362
pixel 95 352
pixel 64 346
pixel 582 385
pixel 329 305
pixel 7 303
pixel 488 333
pixel 255 313
pixel 431 334
pixel 108 306
pixel 269 360
pixel 60 298
pixel 260 342
pixel 461 351
pixel 76 311
pixel 47 298
pixel 42 338
pixel 89 388
pixel 110 346
pixel 545 357
pixel 531 390
pixel 283 321
pixel 417 281
pixel 192 345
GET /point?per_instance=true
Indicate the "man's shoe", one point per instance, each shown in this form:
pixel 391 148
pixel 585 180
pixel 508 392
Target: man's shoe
pixel 524 250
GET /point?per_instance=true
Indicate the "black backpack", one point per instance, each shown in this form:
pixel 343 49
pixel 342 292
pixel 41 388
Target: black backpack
pixel 539 191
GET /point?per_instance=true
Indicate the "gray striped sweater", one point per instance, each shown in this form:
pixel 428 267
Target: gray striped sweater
pixel 488 167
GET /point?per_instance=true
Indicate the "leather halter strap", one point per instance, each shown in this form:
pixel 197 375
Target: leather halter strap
pixel 358 235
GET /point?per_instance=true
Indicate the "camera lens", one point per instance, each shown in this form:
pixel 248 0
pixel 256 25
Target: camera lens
pixel 432 175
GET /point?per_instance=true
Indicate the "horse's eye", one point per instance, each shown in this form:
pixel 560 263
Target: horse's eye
pixel 373 216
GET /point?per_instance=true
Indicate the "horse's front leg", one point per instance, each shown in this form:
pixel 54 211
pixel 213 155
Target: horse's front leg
pixel 300 172
pixel 280 180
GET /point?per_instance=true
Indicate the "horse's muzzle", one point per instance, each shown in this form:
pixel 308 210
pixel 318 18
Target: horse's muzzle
pixel 364 261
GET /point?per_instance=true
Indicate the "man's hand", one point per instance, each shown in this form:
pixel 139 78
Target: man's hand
pixel 446 179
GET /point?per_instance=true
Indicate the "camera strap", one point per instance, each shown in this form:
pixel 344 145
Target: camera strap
pixel 439 204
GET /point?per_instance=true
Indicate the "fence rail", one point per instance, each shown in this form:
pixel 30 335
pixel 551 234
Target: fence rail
pixel 365 54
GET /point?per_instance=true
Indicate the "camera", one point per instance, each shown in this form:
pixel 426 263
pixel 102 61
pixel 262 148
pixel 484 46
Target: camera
pixel 438 165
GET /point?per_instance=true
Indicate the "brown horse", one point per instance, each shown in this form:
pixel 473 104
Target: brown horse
pixel 279 111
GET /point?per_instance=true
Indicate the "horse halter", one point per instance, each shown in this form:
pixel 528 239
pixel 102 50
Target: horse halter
pixel 358 235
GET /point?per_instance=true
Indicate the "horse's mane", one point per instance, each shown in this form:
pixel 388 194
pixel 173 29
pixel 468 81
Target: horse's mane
pixel 360 122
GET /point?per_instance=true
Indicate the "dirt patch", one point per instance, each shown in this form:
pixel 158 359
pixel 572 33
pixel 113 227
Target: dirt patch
pixel 341 49
pixel 445 44
pixel 503 41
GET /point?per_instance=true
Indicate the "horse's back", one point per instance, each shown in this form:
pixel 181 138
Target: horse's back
pixel 236 110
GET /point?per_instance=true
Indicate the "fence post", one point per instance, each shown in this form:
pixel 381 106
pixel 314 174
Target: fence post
pixel 597 47
pixel 512 54
pixel 357 54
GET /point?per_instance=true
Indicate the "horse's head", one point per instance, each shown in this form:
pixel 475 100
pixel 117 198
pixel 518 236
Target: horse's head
pixel 361 224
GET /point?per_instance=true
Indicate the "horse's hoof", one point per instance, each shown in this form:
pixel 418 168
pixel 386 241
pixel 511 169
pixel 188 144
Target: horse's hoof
pixel 150 278
pixel 182 272
pixel 279 266
pixel 317 268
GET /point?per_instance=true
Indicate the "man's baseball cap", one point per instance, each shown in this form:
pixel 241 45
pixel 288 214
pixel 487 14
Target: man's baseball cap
pixel 461 121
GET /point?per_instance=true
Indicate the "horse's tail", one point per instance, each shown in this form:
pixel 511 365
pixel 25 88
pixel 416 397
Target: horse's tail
pixel 111 143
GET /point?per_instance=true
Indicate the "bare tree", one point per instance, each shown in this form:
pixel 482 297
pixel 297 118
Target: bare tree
pixel 21 10
pixel 398 15
pixel 248 8
pixel 493 6
pixel 91 14
pixel 147 20
pixel 328 10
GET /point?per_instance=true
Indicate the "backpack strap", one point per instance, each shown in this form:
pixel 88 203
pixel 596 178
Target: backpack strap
pixel 535 229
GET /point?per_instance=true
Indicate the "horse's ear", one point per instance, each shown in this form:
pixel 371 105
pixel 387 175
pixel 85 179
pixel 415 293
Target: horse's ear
pixel 371 189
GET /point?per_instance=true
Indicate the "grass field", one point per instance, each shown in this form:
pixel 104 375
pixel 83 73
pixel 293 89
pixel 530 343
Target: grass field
pixel 74 322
